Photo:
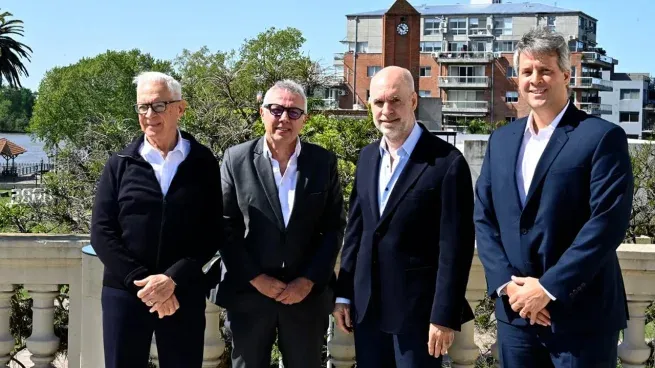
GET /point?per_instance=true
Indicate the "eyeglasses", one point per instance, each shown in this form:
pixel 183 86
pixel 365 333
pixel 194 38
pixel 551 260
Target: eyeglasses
pixel 160 106
pixel 277 110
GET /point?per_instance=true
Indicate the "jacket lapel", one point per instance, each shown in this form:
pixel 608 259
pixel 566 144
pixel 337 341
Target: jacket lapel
pixel 512 151
pixel 372 172
pixel 413 169
pixel 304 172
pixel 265 174
pixel 555 145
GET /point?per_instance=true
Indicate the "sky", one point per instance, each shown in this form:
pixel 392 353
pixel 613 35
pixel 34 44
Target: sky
pixel 64 31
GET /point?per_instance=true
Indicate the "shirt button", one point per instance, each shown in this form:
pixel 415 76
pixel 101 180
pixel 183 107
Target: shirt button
pixel 524 231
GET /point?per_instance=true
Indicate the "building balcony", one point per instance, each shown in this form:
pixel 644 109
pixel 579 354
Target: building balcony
pixel 465 108
pixel 463 57
pixel 338 59
pixel 592 108
pixel 463 82
pixel 592 83
pixel 595 58
pixel 480 33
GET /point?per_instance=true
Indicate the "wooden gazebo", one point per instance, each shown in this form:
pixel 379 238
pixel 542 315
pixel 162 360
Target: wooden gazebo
pixel 10 150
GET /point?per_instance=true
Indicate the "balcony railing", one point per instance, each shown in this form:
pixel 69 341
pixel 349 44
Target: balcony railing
pixel 463 82
pixel 596 108
pixel 464 57
pixel 41 262
pixel 638 266
pixel 592 83
pixel 597 59
pixel 466 106
pixel 480 32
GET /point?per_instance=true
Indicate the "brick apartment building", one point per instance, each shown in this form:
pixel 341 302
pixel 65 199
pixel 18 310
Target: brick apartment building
pixel 462 54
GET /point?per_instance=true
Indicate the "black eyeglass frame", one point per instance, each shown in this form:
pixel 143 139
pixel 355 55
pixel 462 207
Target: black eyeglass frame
pixel 166 103
pixel 289 110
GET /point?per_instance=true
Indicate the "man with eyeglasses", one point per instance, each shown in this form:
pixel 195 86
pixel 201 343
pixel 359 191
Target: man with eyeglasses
pixel 284 221
pixel 157 219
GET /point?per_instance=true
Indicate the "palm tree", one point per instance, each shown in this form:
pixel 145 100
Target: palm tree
pixel 11 51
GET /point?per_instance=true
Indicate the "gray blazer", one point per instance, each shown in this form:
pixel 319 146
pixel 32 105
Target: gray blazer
pixel 256 239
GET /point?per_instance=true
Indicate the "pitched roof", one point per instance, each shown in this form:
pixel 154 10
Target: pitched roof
pixel 479 9
pixel 10 149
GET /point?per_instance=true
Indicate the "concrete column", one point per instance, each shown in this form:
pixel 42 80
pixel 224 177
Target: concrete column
pixel 92 344
pixel 341 347
pixel 633 351
pixel 464 352
pixel 43 343
pixel 214 343
pixel 6 340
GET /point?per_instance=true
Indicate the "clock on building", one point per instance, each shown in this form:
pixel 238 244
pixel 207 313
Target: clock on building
pixel 402 29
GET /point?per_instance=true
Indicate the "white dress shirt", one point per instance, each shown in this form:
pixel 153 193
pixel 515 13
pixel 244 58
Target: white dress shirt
pixel 390 171
pixel 165 168
pixel 286 183
pixel 533 146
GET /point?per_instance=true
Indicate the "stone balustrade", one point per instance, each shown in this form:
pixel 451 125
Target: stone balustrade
pixel 638 268
pixel 42 262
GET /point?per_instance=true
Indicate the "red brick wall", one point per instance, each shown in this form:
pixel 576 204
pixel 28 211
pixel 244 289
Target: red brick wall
pixel 430 83
pixel 363 80
pixel 403 51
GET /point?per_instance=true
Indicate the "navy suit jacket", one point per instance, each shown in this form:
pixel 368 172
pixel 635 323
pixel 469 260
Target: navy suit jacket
pixel 422 245
pixel 575 216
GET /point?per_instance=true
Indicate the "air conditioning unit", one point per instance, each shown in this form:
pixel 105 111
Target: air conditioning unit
pixel 342 92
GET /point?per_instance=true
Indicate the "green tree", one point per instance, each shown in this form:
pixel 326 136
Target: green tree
pixel 16 105
pixel 12 52
pixel 90 91
pixel 224 88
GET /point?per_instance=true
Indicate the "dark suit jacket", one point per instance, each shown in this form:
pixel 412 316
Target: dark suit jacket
pixel 576 215
pixel 422 244
pixel 257 240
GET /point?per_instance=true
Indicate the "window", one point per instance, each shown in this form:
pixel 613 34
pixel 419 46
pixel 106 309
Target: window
pixel 424 93
pixel 457 26
pixel 504 46
pixel 511 96
pixel 502 26
pixel 511 73
pixel 434 46
pixel 371 70
pixel 629 94
pixel 361 46
pixel 550 22
pixel 431 26
pixel 425 71
pixel 628 117
pixel 510 119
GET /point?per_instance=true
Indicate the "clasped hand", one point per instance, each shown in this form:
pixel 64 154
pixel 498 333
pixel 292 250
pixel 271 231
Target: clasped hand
pixel 528 298
pixel 157 292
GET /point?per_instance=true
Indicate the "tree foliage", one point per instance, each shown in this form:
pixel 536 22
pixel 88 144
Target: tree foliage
pixel 16 105
pixel 88 92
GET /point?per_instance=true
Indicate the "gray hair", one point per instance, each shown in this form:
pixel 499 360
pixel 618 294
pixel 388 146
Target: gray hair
pixel 543 41
pixel 289 86
pixel 174 87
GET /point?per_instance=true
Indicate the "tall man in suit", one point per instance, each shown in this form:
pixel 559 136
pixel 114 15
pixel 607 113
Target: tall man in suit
pixel 284 220
pixel 409 241
pixel 552 205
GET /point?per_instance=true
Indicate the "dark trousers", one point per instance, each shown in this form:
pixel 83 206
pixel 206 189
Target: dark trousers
pixel 377 349
pixel 128 327
pixel 300 330
pixel 536 346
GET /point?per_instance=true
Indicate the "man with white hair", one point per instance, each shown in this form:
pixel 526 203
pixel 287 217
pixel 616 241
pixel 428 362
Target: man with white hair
pixel 157 219
pixel 284 222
